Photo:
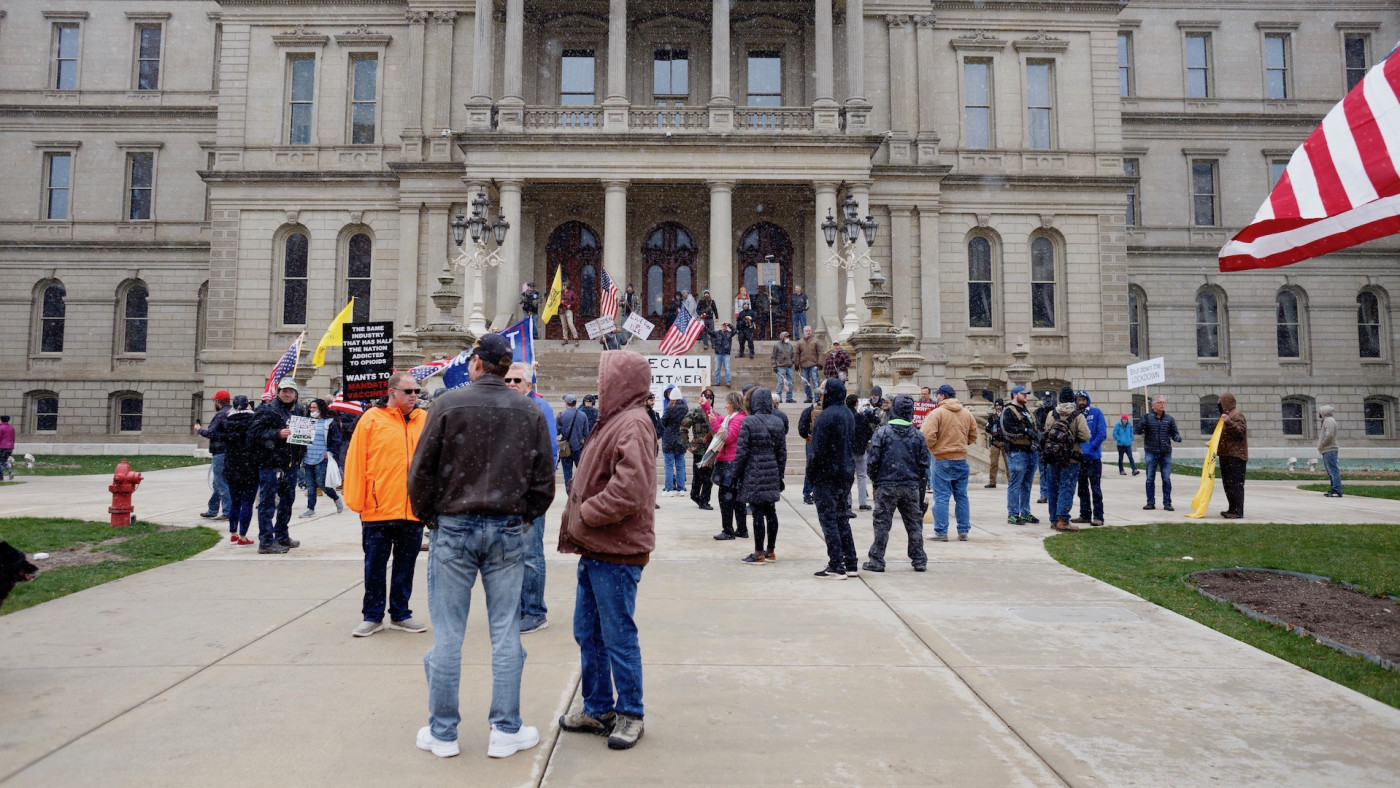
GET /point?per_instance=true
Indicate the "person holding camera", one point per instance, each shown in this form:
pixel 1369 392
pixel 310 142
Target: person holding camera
pixel 1020 440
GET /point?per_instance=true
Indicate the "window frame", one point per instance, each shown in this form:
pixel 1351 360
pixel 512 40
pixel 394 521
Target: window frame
pixel 1207 69
pixel 993 268
pixel 129 194
pixel 1222 343
pixel 1132 168
pixel 291 103
pixel 575 52
pixel 671 99
pixel 137 61
pixel 1386 405
pixel 1137 321
pixel 764 51
pixel 1127 65
pixel 1051 127
pixel 1381 325
pixel 283 238
pixel 120 411
pixel 352 104
pixel 1285 71
pixel 361 313
pixel 34 415
pixel 1214 194
pixel 1349 71
pixel 42 318
pixel 1300 303
pixel 56 59
pixel 1207 424
pixel 989 63
pixel 123 336
pixel 1305 410
pixel 48 188
pixel 1056 245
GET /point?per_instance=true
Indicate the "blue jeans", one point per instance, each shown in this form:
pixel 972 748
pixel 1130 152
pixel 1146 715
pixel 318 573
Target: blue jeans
pixel 1021 467
pixel 532 608
pixel 1329 461
pixel 1044 476
pixel 277 488
pixel 462 546
pixel 315 478
pixel 1063 480
pixel 799 323
pixel 609 652
pixel 950 479
pixel 221 494
pixel 806 480
pixel 567 463
pixel 784 384
pixel 402 540
pixel 675 470
pixel 721 365
pixel 1158 462
pixel 240 511
pixel 811 381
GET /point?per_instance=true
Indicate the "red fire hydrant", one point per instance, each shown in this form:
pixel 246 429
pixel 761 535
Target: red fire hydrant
pixel 124 482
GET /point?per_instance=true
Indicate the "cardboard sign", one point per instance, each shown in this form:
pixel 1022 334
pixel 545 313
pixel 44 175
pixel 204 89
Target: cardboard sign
pixel 1146 373
pixel 368 359
pixel 594 329
pixel 921 411
pixel 769 273
pixel 303 430
pixel 638 325
pixel 690 374
pixel 606 324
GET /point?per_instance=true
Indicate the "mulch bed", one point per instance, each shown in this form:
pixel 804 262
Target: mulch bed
pixel 1328 610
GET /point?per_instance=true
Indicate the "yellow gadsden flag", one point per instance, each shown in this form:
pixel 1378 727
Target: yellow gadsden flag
pixel 334 334
pixel 1201 502
pixel 551 301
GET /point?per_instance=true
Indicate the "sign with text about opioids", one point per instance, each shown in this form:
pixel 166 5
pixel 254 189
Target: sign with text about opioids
pixel 368 359
pixel 688 373
pixel 1146 373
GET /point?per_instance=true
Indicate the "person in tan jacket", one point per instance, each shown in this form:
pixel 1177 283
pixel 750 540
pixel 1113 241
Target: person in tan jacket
pixel 809 363
pixel 1064 475
pixel 948 431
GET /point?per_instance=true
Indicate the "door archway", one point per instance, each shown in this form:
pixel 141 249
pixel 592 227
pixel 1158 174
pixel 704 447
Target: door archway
pixel 755 245
pixel 668 265
pixel 575 246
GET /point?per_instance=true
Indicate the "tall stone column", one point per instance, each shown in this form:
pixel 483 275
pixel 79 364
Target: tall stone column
pixel 411 137
pixel 904 80
pixel 479 105
pixel 616 103
pixel 857 108
pixel 511 114
pixel 930 325
pixel 825 115
pixel 406 307
pixel 440 59
pixel 903 270
pixel 722 248
pixel 926 137
pixel 510 274
pixel 828 296
pixel 721 105
pixel 615 232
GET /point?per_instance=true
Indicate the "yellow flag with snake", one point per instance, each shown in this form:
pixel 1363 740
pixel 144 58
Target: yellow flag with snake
pixel 551 302
pixel 1201 502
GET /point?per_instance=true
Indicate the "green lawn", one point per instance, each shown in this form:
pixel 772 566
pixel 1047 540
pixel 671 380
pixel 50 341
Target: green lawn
pixel 1391 491
pixel 1147 560
pixel 87 464
pixel 147 548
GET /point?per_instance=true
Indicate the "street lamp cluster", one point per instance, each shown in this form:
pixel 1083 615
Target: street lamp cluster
pixel 848 258
pixel 477 258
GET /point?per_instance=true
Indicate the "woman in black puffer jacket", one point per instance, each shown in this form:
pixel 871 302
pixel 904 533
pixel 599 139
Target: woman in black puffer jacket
pixel 241 458
pixel 760 460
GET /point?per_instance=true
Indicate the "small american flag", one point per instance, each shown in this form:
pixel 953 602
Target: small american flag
pixel 283 368
pixel 682 335
pixel 425 371
pixel 340 403
pixel 607 302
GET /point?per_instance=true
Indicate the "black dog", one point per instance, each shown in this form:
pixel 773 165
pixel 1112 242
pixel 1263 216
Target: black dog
pixel 14 569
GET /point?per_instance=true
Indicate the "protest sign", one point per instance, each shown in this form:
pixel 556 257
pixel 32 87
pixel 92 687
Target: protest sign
pixel 691 374
pixel 606 324
pixel 921 411
pixel 303 430
pixel 368 359
pixel 594 330
pixel 1146 373
pixel 638 326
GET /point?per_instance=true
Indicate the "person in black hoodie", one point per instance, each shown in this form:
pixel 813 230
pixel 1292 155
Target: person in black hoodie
pixel 898 466
pixel 760 460
pixel 241 460
pixel 1047 405
pixel 277 472
pixel 672 444
pixel 832 472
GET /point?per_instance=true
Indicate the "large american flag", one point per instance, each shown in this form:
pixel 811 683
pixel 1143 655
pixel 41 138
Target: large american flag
pixel 282 368
pixel 682 335
pixel 1341 187
pixel 607 300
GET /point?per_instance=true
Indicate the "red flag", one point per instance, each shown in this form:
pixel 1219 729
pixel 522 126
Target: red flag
pixel 1340 189
pixel 682 335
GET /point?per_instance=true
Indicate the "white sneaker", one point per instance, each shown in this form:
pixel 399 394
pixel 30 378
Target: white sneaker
pixel 309 513
pixel 340 506
pixel 367 628
pixel 442 749
pixel 506 744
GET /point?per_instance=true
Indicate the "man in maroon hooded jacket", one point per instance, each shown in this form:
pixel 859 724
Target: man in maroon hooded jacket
pixel 609 522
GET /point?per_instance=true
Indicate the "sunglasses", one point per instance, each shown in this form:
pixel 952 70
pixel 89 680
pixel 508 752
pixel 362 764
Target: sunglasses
pixel 515 380
pixel 409 391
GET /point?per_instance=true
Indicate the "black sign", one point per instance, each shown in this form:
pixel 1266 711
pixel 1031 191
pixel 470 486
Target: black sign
pixel 368 359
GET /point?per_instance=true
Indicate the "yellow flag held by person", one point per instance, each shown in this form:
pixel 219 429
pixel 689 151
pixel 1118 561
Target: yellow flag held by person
pixel 335 334
pixel 1201 502
pixel 551 302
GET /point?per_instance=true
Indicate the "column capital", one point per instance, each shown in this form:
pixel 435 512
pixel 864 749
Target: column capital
pixel 720 185
pixel 514 184
pixel 616 185
pixel 826 187
pixel 416 16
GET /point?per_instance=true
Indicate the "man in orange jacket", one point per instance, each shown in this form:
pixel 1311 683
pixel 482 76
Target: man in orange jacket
pixel 376 486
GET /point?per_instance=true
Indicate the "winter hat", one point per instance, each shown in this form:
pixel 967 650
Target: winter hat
pixel 876 392
pixel 946 391
pixel 902 408
pixel 1125 417
pixel 1066 394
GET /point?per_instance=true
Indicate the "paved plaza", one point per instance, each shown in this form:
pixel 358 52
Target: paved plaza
pixel 998 667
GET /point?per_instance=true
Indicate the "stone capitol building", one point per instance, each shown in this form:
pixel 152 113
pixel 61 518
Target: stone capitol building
pixel 191 184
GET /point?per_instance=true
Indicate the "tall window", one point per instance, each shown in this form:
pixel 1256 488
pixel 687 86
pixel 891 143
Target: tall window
pixel 129 407
pixel 1203 194
pixel 979 283
pixel 670 77
pixel 1276 170
pixel 357 276
pixel 977 102
pixel 1210 413
pixel 1289 326
pixel 134 316
pixel 1039 104
pixel 1375 415
pixel 1042 282
pixel 1356 57
pixel 1368 324
pixel 140 178
pixel 1207 325
pixel 765 78
pixel 148 57
pixel 364 102
pixel 1276 64
pixel 588 289
pixel 65 56
pixel 58 177
pixel 301 98
pixel 1132 216
pixel 1137 323
pixel 1126 84
pixel 294 280
pixel 1198 65
pixel 1293 419
pixel 45 411
pixel 52 315
pixel 576 78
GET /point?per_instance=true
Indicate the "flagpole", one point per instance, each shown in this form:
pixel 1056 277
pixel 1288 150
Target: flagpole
pixel 297 364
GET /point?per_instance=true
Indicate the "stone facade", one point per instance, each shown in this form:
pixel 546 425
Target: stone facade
pixel 673 145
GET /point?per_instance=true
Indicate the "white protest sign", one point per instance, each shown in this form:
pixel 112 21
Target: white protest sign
pixel 303 430
pixel 638 325
pixel 594 330
pixel 1146 373
pixel 691 374
pixel 606 324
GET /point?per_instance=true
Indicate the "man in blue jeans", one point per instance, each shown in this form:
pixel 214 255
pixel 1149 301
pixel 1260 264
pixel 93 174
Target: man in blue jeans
pixel 1063 464
pixel 1018 430
pixel 1159 432
pixel 221 495
pixel 948 431
pixel 573 429
pixel 277 473
pixel 533 612
pixel 478 497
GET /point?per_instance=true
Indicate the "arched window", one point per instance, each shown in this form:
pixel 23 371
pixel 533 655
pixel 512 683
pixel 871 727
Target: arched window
pixel 294 256
pixel 1295 412
pixel 126 411
pixel 1137 321
pixel 42 411
pixel 656 302
pixel 1207 325
pixel 133 305
pixel 1042 282
pixel 52 313
pixel 1368 323
pixel 357 276
pixel 1289 325
pixel 979 282
pixel 1210 413
pixel 588 290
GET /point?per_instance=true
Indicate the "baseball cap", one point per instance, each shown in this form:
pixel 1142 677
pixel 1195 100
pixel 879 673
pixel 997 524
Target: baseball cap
pixel 947 391
pixel 288 383
pixel 221 396
pixel 493 349
pixel 1018 390
pixel 570 399
pixel 590 397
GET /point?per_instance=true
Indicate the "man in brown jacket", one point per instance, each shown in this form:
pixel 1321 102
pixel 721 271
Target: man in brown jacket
pixel 1063 460
pixel 809 361
pixel 609 522
pixel 1234 455
pixel 948 431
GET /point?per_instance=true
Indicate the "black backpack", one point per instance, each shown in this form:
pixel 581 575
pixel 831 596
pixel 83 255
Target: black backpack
pixel 1059 447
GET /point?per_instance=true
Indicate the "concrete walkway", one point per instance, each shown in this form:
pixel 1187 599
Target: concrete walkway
pixel 998 667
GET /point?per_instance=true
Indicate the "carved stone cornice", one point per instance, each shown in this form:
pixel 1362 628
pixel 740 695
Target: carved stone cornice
pixel 300 36
pixel 363 36
pixel 1041 42
pixel 445 17
pixel 416 16
pixel 978 40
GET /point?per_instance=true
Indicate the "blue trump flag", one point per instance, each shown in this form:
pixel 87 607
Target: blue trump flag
pixel 454 375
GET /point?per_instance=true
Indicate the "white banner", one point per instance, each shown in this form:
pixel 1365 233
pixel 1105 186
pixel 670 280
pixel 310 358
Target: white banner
pixel 1146 373
pixel 690 374
pixel 638 325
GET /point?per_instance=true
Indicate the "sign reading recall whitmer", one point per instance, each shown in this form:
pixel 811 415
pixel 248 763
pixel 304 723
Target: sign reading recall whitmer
pixel 303 430
pixel 690 374
pixel 368 359
pixel 1146 373
pixel 636 324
